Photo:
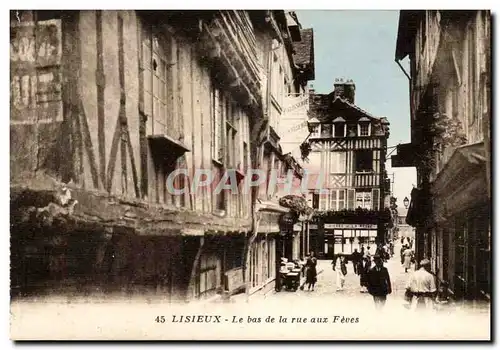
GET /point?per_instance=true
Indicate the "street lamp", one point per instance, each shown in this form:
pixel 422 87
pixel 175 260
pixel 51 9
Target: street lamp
pixel 406 202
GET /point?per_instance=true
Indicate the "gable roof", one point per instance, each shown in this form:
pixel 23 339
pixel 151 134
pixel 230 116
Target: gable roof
pixel 339 101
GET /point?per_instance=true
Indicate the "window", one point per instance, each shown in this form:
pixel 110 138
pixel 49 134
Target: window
pixel 217 131
pixel 245 157
pixel 326 130
pixel 364 129
pixel 159 56
pixel 364 199
pixel 376 198
pixel 337 200
pixel 315 131
pixel 315 201
pixel 231 135
pixel 364 161
pixel 219 196
pixel 350 198
pixel 471 63
pixel 337 162
pixel 323 201
pixel 340 130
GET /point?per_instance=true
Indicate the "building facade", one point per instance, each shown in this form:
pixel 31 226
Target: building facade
pixel 279 233
pixel 129 156
pixel 348 182
pixel 450 79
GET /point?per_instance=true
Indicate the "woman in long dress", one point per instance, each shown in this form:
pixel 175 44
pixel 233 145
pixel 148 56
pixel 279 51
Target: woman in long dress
pixel 408 254
pixel 311 274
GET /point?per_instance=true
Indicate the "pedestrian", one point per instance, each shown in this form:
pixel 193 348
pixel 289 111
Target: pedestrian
pixel 379 282
pixel 421 287
pixel 408 255
pixel 356 257
pixel 363 278
pixel 403 248
pixel 311 274
pixel 340 268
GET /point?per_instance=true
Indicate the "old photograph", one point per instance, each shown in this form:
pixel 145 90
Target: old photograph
pixel 250 174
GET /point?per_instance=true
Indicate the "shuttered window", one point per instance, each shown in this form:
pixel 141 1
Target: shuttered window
pixel 376 198
pixel 350 198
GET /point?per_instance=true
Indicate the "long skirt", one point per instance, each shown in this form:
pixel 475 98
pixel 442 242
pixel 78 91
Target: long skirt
pixel 407 262
pixel 311 275
pixel 363 280
pixel 340 279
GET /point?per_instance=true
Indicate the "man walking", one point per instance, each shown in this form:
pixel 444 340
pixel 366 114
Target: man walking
pixel 379 282
pixel 421 287
pixel 356 260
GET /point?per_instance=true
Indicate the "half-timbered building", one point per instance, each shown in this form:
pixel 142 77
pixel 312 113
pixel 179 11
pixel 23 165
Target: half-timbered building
pixel 346 173
pixel 131 136
pixel 277 232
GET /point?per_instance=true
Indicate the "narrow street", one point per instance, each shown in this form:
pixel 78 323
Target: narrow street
pixel 326 289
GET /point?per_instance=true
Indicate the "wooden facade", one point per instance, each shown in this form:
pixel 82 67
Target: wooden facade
pixel 450 79
pixel 348 150
pixel 128 113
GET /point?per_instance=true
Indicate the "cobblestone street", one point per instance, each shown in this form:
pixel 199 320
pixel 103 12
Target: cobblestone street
pixel 326 289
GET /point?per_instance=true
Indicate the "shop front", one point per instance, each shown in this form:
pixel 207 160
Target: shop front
pixel 345 238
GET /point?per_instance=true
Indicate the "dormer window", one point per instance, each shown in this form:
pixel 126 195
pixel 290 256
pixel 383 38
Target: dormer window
pixel 314 127
pixel 364 127
pixel 340 127
pixel 326 130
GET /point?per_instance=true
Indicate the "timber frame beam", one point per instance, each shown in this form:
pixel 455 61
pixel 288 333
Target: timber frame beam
pixel 100 211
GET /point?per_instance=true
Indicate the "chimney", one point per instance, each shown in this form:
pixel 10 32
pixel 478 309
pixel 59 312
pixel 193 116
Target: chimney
pixel 344 89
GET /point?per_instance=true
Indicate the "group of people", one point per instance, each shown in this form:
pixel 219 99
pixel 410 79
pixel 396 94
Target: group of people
pixel 420 289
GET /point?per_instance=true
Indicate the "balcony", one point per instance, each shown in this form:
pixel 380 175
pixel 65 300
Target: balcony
pixel 368 179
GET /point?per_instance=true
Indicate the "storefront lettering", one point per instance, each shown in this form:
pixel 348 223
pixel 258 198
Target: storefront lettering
pixel 351 226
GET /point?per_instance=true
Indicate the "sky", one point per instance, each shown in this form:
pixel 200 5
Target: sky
pixel 360 45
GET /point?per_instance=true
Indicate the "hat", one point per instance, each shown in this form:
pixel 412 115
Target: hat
pixel 425 262
pixel 377 256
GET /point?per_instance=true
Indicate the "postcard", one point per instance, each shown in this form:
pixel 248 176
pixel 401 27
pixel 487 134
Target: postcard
pixel 250 175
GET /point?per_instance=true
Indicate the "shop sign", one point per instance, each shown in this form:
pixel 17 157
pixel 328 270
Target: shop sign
pixel 297 227
pixel 351 226
pixel 234 279
pixel 313 227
